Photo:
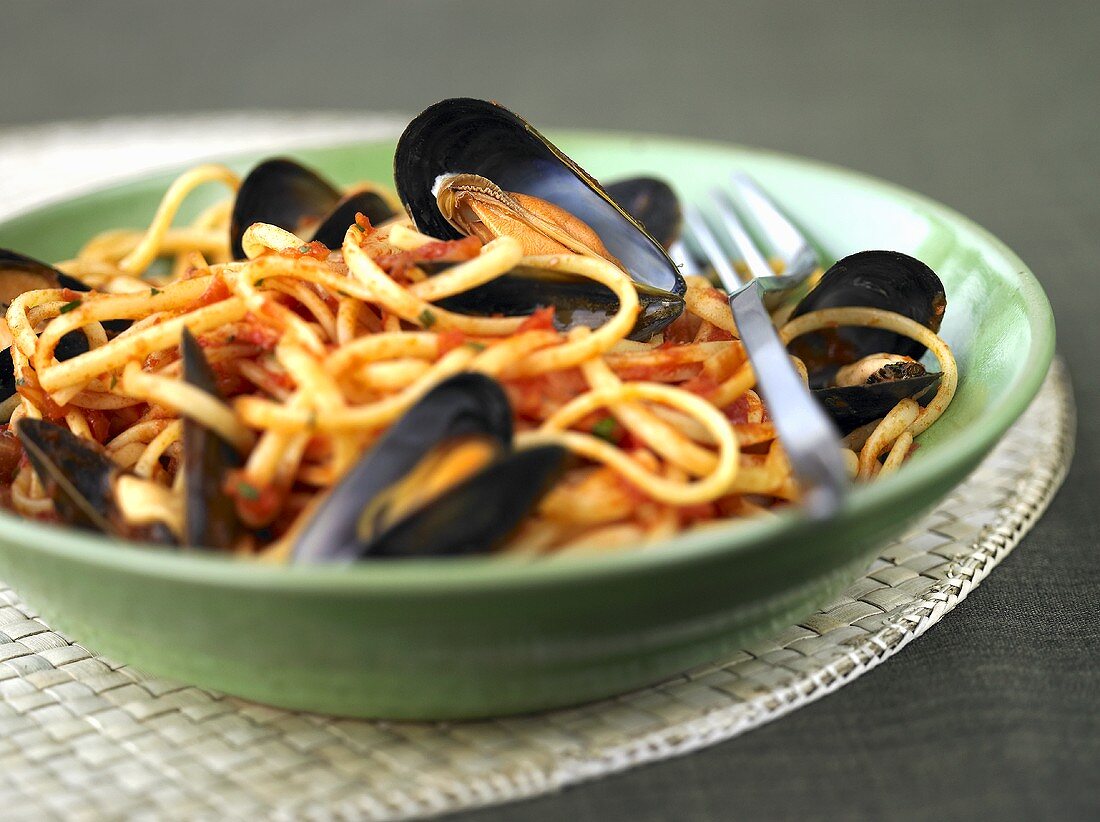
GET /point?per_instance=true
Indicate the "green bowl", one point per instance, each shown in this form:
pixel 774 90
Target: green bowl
pixel 475 637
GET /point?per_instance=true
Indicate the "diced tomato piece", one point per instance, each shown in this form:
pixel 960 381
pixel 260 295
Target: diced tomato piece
pixel 450 340
pixel 448 250
pixel 536 398
pixel 214 293
pixel 256 504
pixel 99 423
pixel 315 249
pixel 28 387
pixel 253 332
pixel 683 328
pixel 737 411
pixel 441 251
pixel 702 384
pixel 541 320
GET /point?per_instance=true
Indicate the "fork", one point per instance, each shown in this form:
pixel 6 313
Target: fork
pixel 809 437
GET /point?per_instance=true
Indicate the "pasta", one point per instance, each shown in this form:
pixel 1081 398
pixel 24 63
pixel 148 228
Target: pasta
pixel 318 351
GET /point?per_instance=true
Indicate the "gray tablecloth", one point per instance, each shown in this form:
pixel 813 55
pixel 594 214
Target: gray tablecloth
pixel 990 107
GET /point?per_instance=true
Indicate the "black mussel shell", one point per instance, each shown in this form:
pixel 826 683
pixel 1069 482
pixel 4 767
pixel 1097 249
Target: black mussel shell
pixel 575 302
pixel 878 279
pixel 370 204
pixel 69 346
pixel 463 405
pixel 210 517
pixel 474 516
pixel 652 203
pixel 464 135
pixel 283 193
pixel 289 195
pixel 467 404
pixel 20 273
pixel 80 480
pixel 856 405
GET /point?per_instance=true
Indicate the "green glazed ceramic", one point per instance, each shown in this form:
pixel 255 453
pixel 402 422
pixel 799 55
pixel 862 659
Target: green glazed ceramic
pixel 487 636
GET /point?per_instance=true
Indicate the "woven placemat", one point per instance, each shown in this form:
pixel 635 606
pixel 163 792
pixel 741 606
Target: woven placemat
pixel 84 737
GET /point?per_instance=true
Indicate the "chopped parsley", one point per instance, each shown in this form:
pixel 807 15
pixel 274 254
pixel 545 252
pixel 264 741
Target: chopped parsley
pixel 247 491
pixel 427 318
pixel 605 429
pixel 304 249
pixel 154 291
pixel 475 345
pixel 67 307
pixel 114 381
pixel 260 281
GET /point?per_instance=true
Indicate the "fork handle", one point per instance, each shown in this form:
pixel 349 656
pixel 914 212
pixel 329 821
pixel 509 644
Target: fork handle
pixel 809 437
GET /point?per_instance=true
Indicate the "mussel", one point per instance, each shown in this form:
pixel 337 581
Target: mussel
pixel 466 166
pixel 576 302
pixel 858 374
pixel 855 405
pixel 210 517
pixel 443 480
pixel 20 273
pixel 877 279
pixel 652 203
pixel 81 481
pixel 286 194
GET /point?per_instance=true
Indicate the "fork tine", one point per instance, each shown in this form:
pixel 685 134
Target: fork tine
pixel 758 267
pixel 780 233
pixel 711 248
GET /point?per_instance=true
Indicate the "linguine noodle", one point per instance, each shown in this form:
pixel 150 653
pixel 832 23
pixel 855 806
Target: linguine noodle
pixel 320 350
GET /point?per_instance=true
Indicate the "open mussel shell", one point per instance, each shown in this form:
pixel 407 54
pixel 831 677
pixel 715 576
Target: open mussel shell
pixel 576 303
pixel 474 516
pixel 81 481
pixel 856 405
pixel 471 516
pixel 78 478
pixel 468 136
pixel 286 194
pixel 20 273
pixel 283 193
pixel 878 279
pixel 210 519
pixel 652 203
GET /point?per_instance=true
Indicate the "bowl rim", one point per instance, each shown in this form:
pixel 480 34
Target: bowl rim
pixel 477 573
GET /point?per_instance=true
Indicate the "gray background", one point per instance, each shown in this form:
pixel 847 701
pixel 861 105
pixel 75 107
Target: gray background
pixel 990 107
